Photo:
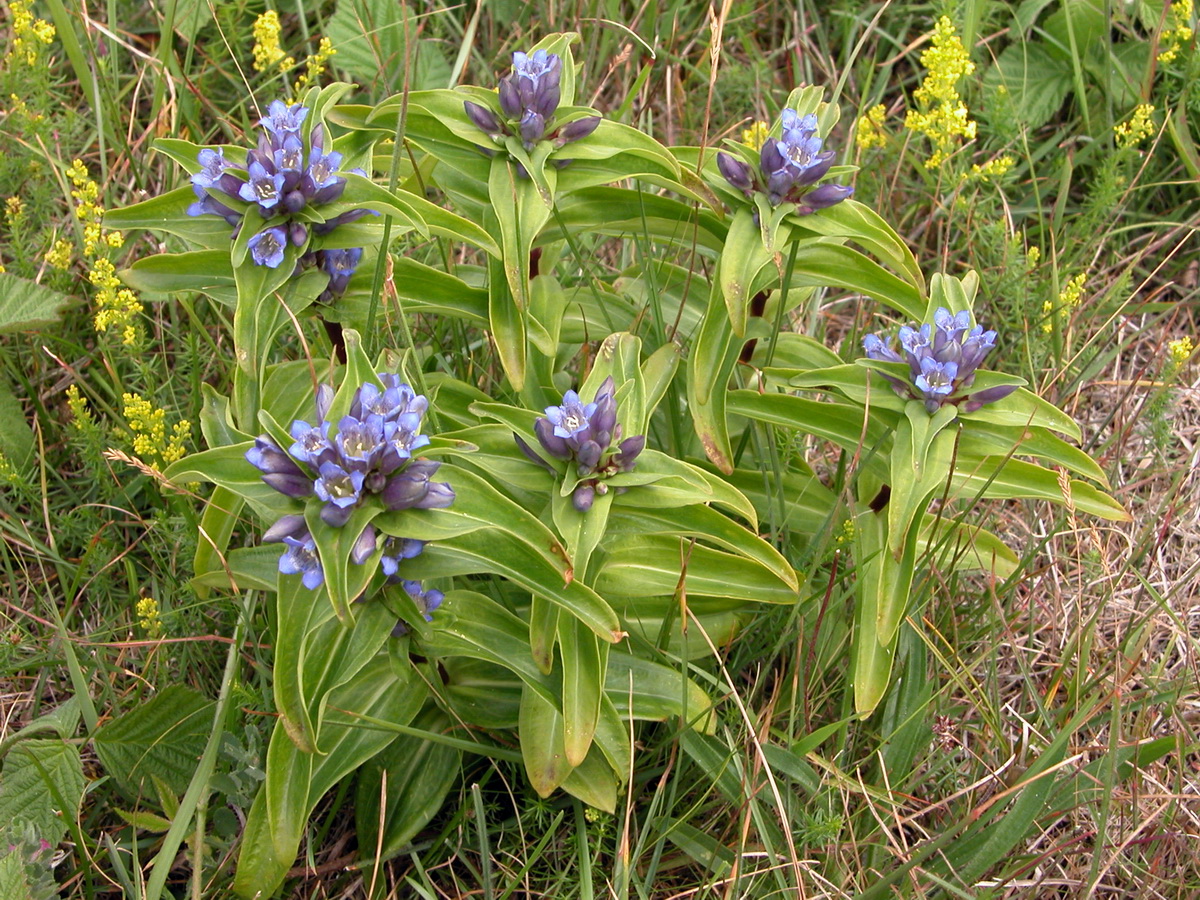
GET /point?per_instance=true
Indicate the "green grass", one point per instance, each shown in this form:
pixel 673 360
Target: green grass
pixel 1039 740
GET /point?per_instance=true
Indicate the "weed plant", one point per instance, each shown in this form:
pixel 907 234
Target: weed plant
pixel 1035 738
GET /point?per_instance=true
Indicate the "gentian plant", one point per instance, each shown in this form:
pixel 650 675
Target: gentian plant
pixel 567 547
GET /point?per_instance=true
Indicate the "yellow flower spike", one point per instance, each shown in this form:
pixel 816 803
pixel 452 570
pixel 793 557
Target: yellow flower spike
pixel 1181 350
pixel 148 425
pixel 314 66
pixel 942 116
pixel 869 132
pixel 1139 127
pixel 59 256
pixel 756 135
pixel 266 41
pixel 30 34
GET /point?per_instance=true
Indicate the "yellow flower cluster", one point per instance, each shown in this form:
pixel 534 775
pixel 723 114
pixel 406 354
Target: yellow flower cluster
pixel 88 210
pixel 942 117
pixel 1068 299
pixel 993 168
pixel 8 473
pixel 314 66
pixel 59 256
pixel 147 613
pixel 869 132
pixel 116 307
pixel 1139 127
pixel 1178 33
pixel 267 52
pixel 20 111
pixel 1181 350
pixel 756 135
pixel 81 415
pixel 30 33
pixel 149 426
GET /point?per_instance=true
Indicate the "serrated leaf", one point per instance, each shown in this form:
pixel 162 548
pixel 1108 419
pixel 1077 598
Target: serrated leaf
pixel 162 737
pixel 1037 82
pixel 41 785
pixel 27 305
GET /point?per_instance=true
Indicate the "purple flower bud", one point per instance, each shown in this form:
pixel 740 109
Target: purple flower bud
pixel 582 497
pixel 577 130
pixel 736 172
pixel 532 127
pixel 588 457
pixel 988 395
pixel 286 526
pixel 549 439
pixel 408 488
pixel 825 196
pixel 510 100
pixel 483 119
pixel 627 452
pixel 364 546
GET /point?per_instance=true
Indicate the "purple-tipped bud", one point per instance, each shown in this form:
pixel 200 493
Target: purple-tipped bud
pixel 577 130
pixel 532 454
pixel 286 526
pixel 532 127
pixel 877 349
pixel 588 456
pixel 825 196
pixel 510 99
pixel 583 497
pixel 296 486
pixel 556 446
pixel 628 451
pixel 364 546
pixel 483 119
pixel 736 172
pixel 988 395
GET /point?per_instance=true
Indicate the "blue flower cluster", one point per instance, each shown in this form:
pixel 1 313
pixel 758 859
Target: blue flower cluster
pixel 286 177
pixel 529 97
pixel 369 455
pixel 942 358
pixel 788 167
pixel 585 433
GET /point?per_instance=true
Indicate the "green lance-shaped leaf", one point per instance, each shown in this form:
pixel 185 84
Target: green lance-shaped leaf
pixel 585 659
pixel 168 213
pixel 705 523
pixel 419 776
pixel 227 467
pixel 710 363
pixel 544 617
pixel 653 565
pixel 824 263
pixel 841 423
pixel 418 213
pixel 983 439
pixel 508 323
pixel 620 212
pixel 521 212
pixel 484 531
pixel 1004 478
pixel 207 271
pixel 221 514
pixel 429 290
pixel 593 781
pixel 643 689
pixel 664 482
pixel 862 225
pixel 743 258
pixel 883 584
pixel 296 780
pixel 345 581
pixel 921 459
pixel 542 745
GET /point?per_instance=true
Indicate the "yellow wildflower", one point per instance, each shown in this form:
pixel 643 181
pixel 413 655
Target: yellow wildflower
pixel 1139 127
pixel 756 135
pixel 869 132
pixel 1178 31
pixel 59 256
pixel 993 168
pixel 116 307
pixel 1181 351
pixel 30 33
pixel 147 613
pixel 1068 299
pixel 267 52
pixel 314 66
pixel 942 117
pixel 1033 255
pixel 149 426
pixel 13 208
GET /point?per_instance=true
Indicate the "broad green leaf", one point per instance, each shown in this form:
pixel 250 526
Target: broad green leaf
pixel 419 776
pixel 1036 80
pixel 480 693
pixel 208 271
pixel 259 863
pixel 838 422
pixel 370 38
pixel 997 477
pixel 594 782
pixel 41 785
pixel 168 213
pixel 542 748
pixel 584 658
pixel 470 624
pixel 656 692
pixel 16 437
pixel 710 364
pixel 742 259
pixel 822 263
pixel 921 460
pixel 979 438
pixel 862 225
pixel 162 738
pixel 644 566
pixel 28 306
